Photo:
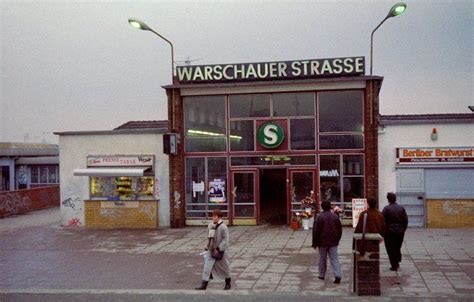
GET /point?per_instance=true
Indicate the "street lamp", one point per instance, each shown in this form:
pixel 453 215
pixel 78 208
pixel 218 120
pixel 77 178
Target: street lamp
pixel 396 10
pixel 141 25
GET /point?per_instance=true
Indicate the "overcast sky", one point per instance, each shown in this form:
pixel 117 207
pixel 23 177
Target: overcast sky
pixel 78 65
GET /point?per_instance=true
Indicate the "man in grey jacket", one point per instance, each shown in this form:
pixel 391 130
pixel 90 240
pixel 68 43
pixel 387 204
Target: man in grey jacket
pixel 396 222
pixel 218 239
pixel 327 232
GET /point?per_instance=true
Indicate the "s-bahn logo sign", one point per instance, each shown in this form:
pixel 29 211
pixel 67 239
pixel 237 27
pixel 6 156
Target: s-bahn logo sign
pixel 285 70
pixel 271 135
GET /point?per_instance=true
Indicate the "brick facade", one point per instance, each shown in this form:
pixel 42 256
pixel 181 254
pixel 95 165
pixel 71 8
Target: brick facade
pixel 23 201
pixel 371 119
pixel 450 213
pixel 176 162
pixel 105 215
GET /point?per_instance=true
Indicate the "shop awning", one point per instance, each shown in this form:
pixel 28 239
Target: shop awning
pixel 111 171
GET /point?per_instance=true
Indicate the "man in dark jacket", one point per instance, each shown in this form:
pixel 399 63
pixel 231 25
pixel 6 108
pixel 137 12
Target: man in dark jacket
pixel 396 222
pixel 327 232
pixel 375 221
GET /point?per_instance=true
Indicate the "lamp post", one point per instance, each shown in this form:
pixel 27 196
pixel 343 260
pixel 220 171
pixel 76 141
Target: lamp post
pixel 396 10
pixel 141 25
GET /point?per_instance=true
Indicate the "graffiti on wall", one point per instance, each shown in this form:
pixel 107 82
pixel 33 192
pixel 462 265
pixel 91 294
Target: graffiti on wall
pixel 177 200
pixel 71 207
pixel 14 203
pixel 458 207
pixel 148 210
pixel 112 213
pixel 157 188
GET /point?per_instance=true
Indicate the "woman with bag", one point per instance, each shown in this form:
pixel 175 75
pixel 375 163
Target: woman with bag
pixel 216 262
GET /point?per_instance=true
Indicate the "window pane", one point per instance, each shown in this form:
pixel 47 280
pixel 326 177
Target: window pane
pixel 44 174
pixel 204 123
pixel 250 105
pixel 341 142
pixel 353 188
pixel 340 111
pixel 353 164
pixel 202 144
pixel 34 175
pixel 103 187
pixel 244 211
pixel 217 176
pixel 242 136
pixel 302 134
pixel 250 161
pixel 145 188
pixel 244 188
pixel 52 175
pixel 293 104
pixel 195 181
pixel 329 173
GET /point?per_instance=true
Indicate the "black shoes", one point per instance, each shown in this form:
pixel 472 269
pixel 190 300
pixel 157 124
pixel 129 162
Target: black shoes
pixel 227 284
pixel 337 280
pixel 321 278
pixel 203 286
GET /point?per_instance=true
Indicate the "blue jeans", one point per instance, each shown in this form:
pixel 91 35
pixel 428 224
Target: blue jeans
pixel 333 258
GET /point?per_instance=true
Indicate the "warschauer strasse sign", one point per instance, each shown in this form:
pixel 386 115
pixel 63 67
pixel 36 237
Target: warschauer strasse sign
pixel 287 70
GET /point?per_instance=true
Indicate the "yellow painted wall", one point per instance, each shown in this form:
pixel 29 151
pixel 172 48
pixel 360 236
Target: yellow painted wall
pixel 450 213
pixel 130 214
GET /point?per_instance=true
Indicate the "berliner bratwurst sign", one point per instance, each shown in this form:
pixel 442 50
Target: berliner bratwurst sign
pixel 287 70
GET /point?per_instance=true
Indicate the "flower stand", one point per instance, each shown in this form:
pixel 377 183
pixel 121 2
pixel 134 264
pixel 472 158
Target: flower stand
pixel 311 222
pixel 305 223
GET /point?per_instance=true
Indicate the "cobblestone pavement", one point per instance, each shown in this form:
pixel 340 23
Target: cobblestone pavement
pixel 264 259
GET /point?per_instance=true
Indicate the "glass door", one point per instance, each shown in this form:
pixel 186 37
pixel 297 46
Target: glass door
pixel 244 197
pixel 302 185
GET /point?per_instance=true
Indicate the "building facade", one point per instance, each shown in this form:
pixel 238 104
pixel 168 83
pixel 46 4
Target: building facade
pixel 255 139
pixel 428 161
pixel 115 179
pixel 28 165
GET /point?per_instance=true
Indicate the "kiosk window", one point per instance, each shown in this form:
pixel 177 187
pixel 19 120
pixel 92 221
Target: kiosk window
pixel 122 188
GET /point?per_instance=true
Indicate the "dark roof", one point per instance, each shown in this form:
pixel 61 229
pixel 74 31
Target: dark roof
pixel 440 118
pixel 143 125
pixel 28 149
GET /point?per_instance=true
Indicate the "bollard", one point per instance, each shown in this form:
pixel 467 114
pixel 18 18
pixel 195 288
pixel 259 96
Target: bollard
pixel 366 268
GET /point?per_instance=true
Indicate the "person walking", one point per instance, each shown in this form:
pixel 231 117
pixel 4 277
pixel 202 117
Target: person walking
pixel 218 243
pixel 375 220
pixel 396 222
pixel 327 232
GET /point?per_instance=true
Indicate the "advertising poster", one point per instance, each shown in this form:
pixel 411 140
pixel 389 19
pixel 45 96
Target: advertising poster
pixel 359 205
pixel 217 190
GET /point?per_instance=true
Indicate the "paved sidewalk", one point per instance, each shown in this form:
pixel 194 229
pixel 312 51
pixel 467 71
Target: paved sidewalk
pixel 265 260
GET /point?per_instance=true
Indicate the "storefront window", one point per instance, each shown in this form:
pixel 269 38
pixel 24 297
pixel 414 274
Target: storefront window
pixel 268 160
pixel 329 182
pixel 340 111
pixel 242 136
pixel 293 104
pixel 44 174
pixel 331 142
pixel 249 105
pixel 122 188
pixel 206 186
pixel 302 134
pixel 204 126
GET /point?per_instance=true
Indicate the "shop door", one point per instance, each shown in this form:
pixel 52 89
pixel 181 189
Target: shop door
pixel 302 182
pixel 411 195
pixel 244 195
pixel 273 207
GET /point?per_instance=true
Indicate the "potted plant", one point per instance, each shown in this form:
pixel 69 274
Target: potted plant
pixel 305 219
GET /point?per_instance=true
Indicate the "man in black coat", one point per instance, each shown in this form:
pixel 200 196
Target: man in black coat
pixel 327 232
pixel 396 222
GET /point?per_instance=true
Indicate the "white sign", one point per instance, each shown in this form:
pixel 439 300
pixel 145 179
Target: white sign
pixel 198 187
pixel 435 155
pixel 120 161
pixel 359 205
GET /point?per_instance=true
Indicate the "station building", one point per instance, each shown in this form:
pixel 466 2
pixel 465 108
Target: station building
pixel 253 140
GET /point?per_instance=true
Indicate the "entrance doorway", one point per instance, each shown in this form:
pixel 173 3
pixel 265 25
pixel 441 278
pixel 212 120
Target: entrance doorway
pixel 273 196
